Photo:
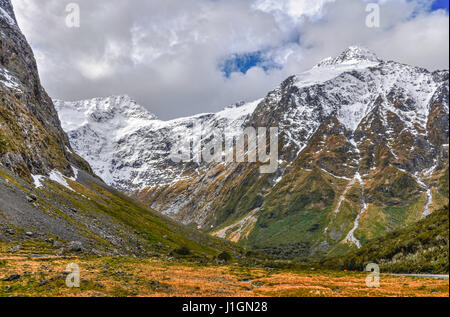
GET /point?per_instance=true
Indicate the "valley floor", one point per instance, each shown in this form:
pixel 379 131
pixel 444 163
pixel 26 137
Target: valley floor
pixel 40 275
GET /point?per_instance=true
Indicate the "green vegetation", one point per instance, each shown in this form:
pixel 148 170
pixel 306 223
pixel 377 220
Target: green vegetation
pixel 224 256
pixel 140 230
pixel 377 221
pixel 3 145
pixel 299 251
pixel 297 221
pixel 184 250
pixel 421 247
pixel 282 236
pixel 392 187
pixel 309 192
pixel 294 215
pixel 243 197
pixel 443 183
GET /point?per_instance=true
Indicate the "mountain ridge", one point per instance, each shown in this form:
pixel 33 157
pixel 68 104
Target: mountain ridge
pixel 120 131
pixel 371 135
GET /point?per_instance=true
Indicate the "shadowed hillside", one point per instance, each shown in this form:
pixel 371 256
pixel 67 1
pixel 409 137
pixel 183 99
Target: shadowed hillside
pixel 418 248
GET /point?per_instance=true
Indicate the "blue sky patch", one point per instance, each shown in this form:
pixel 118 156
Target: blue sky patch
pixel 440 4
pixel 243 62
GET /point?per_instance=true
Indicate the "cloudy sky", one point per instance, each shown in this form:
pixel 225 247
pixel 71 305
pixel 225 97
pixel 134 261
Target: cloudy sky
pixel 181 57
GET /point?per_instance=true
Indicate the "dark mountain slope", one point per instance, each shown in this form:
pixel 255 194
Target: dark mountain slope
pixel 49 196
pixel 31 138
pixel 419 248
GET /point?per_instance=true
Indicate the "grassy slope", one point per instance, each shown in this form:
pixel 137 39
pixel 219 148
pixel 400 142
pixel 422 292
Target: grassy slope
pixel 106 219
pixel 419 248
pixel 294 215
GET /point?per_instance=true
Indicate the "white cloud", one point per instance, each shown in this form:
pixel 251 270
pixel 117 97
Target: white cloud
pixel 167 53
pixel 423 42
pixel 294 9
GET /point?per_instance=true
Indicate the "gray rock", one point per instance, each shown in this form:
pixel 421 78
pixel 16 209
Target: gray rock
pixel 10 231
pixel 15 249
pixel 57 277
pixel 31 198
pixel 75 246
pixel 44 282
pixel 57 244
pixel 11 278
pixel 62 251
pixel 96 253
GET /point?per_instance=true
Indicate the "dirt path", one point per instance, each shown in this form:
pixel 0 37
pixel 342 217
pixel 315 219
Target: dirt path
pixel 435 276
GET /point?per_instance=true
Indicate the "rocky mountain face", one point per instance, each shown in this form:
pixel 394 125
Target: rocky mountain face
pixel 31 138
pixel 363 150
pixel 50 200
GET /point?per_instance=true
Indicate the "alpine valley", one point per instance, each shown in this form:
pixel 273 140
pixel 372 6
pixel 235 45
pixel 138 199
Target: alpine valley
pixel 363 151
pixel 362 175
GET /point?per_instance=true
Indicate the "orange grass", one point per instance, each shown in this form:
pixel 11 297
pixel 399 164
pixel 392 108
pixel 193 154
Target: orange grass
pixel 119 277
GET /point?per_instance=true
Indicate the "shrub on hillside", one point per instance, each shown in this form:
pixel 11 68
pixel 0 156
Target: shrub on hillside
pixel 182 251
pixel 224 256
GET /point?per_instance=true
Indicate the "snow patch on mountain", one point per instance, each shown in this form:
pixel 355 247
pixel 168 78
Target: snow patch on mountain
pixel 356 78
pixel 351 56
pixel 57 177
pixel 350 238
pixel 37 180
pixel 8 80
pixel 4 15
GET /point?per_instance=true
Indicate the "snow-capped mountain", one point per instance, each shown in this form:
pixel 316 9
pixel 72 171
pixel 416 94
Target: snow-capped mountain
pixel 363 150
pixel 128 146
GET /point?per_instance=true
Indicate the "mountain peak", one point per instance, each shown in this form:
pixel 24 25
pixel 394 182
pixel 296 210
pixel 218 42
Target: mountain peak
pixel 352 55
pixel 104 109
